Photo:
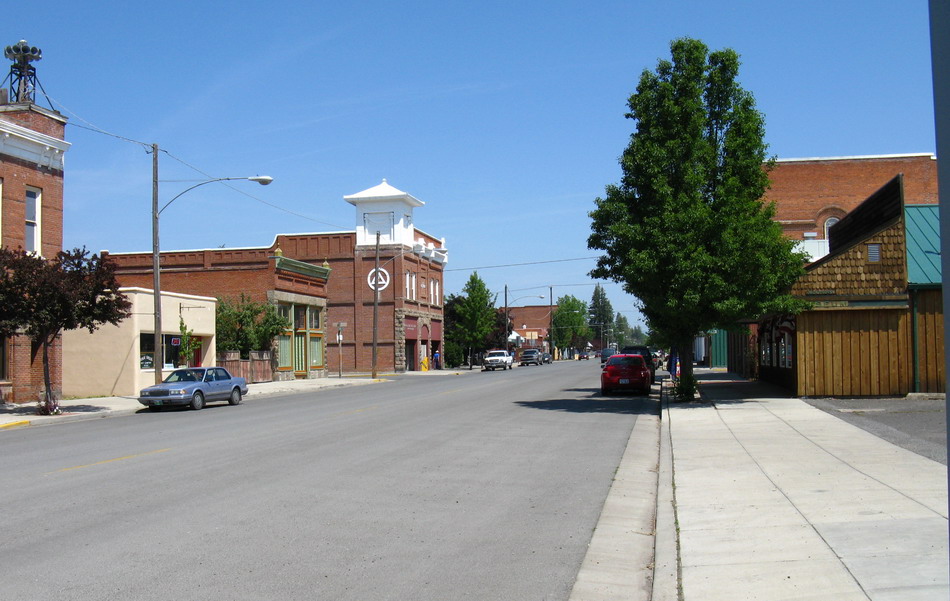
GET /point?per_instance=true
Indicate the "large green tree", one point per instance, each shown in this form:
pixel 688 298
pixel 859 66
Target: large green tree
pixel 476 317
pixel 686 230
pixel 41 297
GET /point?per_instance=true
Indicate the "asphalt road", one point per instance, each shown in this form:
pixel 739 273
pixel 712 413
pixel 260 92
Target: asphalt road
pixel 480 486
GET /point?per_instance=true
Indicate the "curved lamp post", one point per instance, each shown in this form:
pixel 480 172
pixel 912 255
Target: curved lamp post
pixel 507 305
pixel 158 358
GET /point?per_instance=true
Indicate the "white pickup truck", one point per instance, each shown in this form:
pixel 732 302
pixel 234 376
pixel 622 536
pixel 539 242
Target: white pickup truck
pixel 497 360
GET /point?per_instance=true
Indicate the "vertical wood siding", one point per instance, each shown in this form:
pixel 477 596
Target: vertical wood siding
pixel 930 345
pixel 854 353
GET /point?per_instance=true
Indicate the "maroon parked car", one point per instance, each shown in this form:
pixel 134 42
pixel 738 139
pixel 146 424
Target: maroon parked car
pixel 630 372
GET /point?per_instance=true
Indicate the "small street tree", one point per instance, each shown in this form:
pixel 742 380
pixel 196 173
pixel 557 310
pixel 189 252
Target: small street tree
pixel 476 316
pixel 570 323
pixel 454 352
pixel 686 230
pixel 190 344
pixel 40 298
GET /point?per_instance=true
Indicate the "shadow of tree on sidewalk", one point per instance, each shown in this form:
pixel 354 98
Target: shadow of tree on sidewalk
pixel 622 405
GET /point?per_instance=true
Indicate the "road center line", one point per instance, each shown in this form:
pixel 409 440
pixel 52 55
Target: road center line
pixel 76 467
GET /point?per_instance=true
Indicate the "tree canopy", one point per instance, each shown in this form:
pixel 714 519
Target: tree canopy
pixel 600 316
pixel 41 297
pixel 570 323
pixel 686 230
pixel 245 325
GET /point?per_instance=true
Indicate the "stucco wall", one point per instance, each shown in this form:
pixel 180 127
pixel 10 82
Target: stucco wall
pixel 106 362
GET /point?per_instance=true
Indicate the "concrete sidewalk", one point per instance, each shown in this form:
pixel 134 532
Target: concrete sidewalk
pixel 14 416
pixel 778 500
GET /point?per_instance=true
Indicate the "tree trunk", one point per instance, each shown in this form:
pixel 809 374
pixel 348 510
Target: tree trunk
pixel 686 361
pixel 686 383
pixel 50 405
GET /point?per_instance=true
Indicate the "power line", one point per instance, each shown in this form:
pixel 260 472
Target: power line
pixel 148 147
pixel 523 264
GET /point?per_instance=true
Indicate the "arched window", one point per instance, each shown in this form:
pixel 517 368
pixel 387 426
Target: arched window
pixel 828 223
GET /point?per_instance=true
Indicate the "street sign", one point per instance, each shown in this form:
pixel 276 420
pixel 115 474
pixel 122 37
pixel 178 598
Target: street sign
pixel 378 279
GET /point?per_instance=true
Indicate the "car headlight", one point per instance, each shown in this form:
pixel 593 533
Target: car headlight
pixel 177 391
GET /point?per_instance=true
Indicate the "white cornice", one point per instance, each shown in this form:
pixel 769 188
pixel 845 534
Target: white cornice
pixel 32 146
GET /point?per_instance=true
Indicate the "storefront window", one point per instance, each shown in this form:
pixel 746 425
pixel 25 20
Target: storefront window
pixel 316 351
pixel 300 348
pixel 788 350
pixel 171 344
pixel 284 356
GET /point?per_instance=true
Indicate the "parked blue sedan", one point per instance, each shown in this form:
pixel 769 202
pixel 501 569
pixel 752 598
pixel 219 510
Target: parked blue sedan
pixel 194 386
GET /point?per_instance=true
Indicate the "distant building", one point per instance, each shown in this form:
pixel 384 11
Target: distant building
pixel 813 194
pixel 531 324
pixel 32 149
pixel 322 282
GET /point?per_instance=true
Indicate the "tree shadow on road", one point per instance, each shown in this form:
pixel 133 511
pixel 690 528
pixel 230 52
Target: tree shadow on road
pixel 595 403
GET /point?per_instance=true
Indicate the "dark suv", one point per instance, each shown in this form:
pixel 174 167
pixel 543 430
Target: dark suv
pixel 531 356
pixel 647 356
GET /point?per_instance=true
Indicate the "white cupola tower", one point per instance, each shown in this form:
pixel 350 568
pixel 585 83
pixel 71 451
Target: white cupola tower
pixel 386 210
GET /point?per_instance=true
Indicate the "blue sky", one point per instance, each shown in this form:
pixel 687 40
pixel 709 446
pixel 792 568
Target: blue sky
pixel 505 118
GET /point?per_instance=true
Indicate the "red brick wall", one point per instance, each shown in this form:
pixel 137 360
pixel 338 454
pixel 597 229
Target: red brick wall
pixel 25 369
pixel 219 273
pixel 230 272
pixel 807 192
pixel 35 118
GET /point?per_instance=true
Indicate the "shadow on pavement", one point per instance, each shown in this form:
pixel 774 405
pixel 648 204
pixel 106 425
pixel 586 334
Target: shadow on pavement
pixel 623 405
pixel 727 387
pixel 31 408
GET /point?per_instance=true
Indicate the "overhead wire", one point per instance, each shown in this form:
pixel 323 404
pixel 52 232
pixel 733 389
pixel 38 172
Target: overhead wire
pixel 148 148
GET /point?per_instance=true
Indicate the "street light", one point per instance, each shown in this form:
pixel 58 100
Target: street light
pixel 158 359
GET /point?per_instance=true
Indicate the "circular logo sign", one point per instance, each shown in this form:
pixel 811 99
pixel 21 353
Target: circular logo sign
pixel 378 279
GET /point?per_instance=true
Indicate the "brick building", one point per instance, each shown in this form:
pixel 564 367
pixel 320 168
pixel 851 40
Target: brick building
pixel 876 323
pixel 262 275
pixel 322 280
pixel 32 149
pixel 532 324
pixel 813 194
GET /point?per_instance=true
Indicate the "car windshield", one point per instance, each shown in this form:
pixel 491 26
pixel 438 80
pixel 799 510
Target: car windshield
pixel 632 361
pixel 530 353
pixel 182 375
pixel 497 354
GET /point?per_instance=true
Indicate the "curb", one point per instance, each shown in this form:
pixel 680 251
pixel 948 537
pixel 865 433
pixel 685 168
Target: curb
pixel 666 585
pixel 619 564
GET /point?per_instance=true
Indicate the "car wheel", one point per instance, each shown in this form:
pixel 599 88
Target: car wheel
pixel 197 401
pixel 603 391
pixel 235 397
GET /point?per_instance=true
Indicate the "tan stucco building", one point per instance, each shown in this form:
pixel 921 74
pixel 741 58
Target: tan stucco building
pixel 116 360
